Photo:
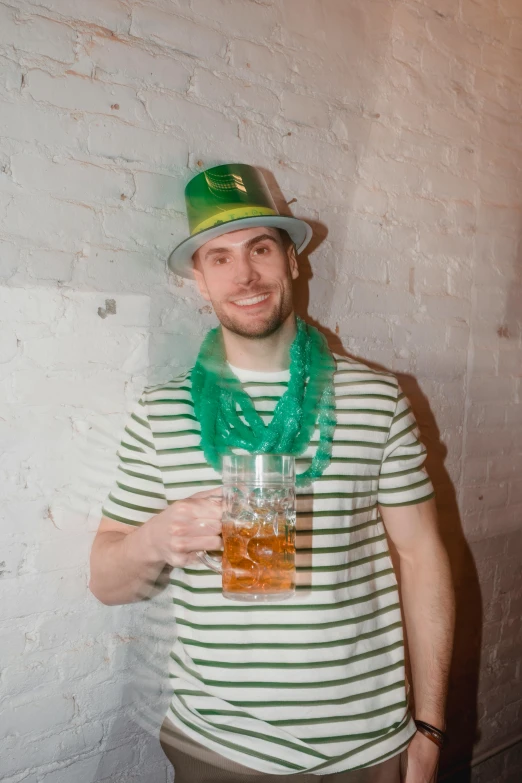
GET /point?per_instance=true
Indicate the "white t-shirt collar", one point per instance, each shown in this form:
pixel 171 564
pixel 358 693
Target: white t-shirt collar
pixel 261 376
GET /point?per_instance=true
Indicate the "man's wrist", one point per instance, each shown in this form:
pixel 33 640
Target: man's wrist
pixel 434 718
pixel 144 545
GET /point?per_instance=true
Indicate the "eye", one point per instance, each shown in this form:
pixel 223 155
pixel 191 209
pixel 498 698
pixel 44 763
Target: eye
pixel 261 250
pixel 220 260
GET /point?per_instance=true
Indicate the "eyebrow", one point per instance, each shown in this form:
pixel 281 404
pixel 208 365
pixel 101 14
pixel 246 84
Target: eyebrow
pixel 248 244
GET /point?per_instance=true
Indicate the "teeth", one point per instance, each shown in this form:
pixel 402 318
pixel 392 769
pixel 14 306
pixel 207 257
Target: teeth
pixel 253 300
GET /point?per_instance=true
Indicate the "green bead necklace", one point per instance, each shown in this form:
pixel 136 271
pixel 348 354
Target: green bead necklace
pixel 309 401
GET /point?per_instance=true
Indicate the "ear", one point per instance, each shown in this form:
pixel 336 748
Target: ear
pixel 199 278
pixel 292 260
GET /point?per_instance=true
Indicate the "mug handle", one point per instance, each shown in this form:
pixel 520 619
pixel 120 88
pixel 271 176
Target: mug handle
pixel 215 563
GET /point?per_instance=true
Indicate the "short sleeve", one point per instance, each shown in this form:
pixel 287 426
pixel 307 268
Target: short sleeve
pixel 138 492
pixel 403 480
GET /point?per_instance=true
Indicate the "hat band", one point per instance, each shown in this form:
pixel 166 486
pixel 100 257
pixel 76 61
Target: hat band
pixel 231 214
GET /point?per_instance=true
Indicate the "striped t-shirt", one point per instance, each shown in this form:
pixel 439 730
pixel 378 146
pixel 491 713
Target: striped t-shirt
pixel 315 683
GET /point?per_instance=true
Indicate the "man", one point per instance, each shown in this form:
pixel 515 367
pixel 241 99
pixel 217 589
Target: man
pixel 313 688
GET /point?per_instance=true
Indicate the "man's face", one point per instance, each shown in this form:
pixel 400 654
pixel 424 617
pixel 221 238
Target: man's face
pixel 247 276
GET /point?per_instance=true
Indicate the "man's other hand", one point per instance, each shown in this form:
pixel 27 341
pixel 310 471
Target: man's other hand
pixel 422 761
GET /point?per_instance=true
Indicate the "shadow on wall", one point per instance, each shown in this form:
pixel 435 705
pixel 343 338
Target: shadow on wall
pixel 511 329
pixel 462 709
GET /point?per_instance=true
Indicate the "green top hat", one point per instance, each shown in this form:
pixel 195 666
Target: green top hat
pixel 229 198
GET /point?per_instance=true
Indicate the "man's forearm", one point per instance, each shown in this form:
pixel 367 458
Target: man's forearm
pixel 123 569
pixel 429 612
pixel 129 564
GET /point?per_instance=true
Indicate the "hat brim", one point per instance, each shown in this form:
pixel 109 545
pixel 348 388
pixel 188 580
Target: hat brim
pixel 180 260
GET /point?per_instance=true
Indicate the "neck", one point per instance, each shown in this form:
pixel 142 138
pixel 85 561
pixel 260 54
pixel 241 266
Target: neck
pixel 268 354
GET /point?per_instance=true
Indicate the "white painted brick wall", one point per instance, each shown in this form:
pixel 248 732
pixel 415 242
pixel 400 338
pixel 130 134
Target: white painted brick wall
pixel 395 126
pixel 36 35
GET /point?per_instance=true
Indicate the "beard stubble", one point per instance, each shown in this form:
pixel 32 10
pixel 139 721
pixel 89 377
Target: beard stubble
pixel 264 327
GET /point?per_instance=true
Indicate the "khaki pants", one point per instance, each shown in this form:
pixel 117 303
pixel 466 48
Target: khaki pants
pixel 193 763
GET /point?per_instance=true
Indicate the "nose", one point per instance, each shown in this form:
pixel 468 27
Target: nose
pixel 245 272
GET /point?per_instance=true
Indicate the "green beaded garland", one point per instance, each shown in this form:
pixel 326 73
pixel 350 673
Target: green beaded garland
pixel 309 401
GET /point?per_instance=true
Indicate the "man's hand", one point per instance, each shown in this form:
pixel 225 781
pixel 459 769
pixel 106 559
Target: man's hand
pixel 127 560
pixel 422 761
pixel 187 526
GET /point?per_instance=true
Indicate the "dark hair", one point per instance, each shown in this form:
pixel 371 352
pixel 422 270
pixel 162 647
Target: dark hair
pixel 286 239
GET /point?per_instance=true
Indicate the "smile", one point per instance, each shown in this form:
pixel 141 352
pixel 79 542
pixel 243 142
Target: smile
pixel 252 301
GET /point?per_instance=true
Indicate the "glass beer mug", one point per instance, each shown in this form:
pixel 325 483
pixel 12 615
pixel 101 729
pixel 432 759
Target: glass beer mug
pixel 258 528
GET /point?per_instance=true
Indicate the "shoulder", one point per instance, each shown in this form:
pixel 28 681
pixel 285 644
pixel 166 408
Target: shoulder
pixel 168 389
pixel 354 372
pixel 171 397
